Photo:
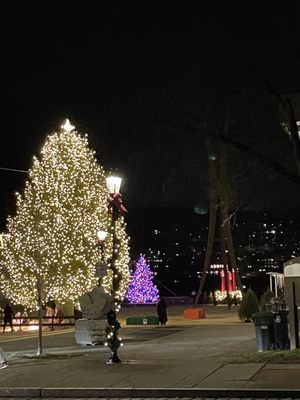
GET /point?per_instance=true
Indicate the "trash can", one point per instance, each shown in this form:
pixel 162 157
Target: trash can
pixel 281 331
pixel 264 329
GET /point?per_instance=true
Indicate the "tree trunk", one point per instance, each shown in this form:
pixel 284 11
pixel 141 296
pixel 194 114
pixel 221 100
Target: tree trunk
pixel 212 217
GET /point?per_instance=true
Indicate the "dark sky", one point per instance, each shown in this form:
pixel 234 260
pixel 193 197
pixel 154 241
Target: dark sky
pixel 121 70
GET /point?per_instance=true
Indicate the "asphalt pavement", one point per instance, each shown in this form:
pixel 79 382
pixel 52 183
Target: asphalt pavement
pixel 185 358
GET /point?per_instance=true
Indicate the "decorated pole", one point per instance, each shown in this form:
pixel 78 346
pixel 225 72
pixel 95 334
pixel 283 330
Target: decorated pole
pixel 233 279
pixel 117 209
pixel 222 274
pixel 229 281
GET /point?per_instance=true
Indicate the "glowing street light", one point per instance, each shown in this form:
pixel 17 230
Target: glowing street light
pixel 101 235
pixel 113 183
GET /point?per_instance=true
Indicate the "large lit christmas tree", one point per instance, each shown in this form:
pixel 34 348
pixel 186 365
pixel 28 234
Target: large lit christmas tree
pixel 141 288
pixel 50 242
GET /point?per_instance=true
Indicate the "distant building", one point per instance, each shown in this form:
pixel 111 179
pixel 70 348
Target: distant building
pixel 263 242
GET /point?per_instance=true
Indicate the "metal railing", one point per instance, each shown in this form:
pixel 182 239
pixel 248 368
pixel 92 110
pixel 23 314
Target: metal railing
pixel 19 322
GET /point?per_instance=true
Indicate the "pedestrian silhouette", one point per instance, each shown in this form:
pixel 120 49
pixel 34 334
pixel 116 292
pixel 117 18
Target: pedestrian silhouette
pixel 8 317
pixel 161 308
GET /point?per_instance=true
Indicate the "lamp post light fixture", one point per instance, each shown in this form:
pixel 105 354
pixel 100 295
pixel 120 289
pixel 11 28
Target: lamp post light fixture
pixel 113 183
pixel 101 235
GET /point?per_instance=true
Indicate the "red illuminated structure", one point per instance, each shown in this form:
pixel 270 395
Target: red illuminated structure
pixel 228 278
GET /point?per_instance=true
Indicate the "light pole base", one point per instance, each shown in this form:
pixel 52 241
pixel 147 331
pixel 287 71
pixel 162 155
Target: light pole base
pixel 3 362
pixel 113 359
pixel 3 365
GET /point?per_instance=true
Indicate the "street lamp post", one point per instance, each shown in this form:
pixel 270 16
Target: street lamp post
pixel 116 208
pixel 101 265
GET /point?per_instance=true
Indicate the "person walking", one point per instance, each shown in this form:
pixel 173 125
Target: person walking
pixel 161 308
pixel 8 317
pixel 50 312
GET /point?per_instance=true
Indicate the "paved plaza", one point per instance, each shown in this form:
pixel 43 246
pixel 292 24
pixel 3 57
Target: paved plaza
pixel 185 358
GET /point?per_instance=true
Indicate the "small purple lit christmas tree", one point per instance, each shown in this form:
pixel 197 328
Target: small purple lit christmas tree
pixel 141 288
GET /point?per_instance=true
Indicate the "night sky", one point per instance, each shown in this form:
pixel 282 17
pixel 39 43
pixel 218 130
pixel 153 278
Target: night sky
pixel 148 81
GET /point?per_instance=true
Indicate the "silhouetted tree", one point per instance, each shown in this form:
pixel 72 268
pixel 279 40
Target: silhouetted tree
pixel 249 306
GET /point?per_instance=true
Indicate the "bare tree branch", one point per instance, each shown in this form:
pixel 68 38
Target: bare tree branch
pixel 221 137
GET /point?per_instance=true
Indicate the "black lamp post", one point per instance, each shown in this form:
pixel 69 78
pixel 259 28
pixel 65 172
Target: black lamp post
pixel 101 267
pixel 116 208
pixel 113 340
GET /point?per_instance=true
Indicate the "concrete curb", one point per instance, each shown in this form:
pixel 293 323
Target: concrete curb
pixel 147 393
pixel 20 392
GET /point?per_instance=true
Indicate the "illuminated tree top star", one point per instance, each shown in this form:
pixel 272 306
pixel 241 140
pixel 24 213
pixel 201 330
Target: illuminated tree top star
pixel 67 126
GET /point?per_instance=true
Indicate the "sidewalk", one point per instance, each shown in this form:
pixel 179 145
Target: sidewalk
pixel 184 359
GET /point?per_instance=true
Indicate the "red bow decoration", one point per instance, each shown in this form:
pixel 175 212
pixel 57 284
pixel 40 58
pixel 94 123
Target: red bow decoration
pixel 115 199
